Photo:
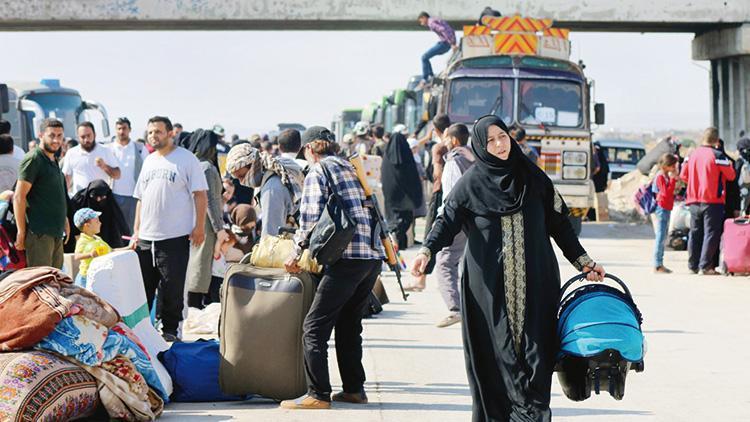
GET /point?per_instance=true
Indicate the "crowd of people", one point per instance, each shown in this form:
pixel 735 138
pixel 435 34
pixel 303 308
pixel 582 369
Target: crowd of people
pixel 167 200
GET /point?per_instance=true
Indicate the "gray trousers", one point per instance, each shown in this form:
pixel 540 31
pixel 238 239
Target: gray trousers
pixel 446 267
pixel 127 205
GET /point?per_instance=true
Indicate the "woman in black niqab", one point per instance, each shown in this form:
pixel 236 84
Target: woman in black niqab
pixel 98 196
pixel 508 209
pixel 402 187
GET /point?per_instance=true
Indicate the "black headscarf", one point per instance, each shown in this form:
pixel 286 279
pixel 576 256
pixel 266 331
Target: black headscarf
pixel 202 143
pixel 114 226
pixel 494 187
pixel 402 187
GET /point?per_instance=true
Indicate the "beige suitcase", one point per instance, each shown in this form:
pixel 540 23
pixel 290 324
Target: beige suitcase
pixel 261 331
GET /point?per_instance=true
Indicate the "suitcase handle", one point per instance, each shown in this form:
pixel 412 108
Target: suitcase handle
pixel 742 221
pixel 246 259
pixel 582 277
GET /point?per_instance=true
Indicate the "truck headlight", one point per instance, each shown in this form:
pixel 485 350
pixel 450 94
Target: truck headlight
pixel 574 172
pixel 575 158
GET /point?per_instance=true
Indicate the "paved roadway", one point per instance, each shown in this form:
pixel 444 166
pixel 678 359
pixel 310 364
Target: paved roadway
pixel 696 329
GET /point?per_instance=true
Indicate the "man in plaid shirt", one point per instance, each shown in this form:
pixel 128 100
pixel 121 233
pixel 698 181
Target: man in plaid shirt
pixel 343 292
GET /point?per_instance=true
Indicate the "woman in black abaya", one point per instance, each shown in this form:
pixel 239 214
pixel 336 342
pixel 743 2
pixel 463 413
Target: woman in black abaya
pixel 509 209
pixel 98 196
pixel 402 187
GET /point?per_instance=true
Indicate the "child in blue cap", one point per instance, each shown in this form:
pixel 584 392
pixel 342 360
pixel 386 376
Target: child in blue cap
pixel 89 245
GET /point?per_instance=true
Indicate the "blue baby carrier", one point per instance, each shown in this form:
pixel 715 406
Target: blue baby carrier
pixel 599 327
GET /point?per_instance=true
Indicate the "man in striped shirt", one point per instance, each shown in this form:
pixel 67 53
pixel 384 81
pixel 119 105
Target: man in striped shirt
pixel 344 290
pixel 447 41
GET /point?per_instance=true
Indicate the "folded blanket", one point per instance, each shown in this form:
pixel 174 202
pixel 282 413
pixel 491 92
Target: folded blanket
pixel 30 306
pixel 92 344
pixel 124 392
pixel 34 300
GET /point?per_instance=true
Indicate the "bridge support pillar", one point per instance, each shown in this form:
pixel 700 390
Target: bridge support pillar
pixel 729 53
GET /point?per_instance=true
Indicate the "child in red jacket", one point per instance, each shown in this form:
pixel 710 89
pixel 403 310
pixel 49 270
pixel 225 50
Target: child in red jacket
pixel 664 183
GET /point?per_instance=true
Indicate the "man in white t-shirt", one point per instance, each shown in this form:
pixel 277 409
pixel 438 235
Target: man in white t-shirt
pixel 171 213
pixel 88 161
pixel 130 155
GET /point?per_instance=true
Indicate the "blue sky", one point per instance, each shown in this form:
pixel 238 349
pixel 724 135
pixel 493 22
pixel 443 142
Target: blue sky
pixel 249 81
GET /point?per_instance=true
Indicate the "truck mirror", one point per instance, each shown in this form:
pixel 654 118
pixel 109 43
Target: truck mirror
pixel 4 100
pixel 599 113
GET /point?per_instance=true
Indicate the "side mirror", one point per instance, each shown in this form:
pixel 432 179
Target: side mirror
pixel 4 99
pixel 599 113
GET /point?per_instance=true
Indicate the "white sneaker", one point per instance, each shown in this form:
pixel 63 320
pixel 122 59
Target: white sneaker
pixel 451 319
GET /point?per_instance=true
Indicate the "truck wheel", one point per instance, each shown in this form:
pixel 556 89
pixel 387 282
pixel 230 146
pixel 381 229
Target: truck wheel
pixel 576 222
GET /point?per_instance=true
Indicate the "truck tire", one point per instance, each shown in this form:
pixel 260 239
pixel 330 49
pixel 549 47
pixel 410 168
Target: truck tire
pixel 576 222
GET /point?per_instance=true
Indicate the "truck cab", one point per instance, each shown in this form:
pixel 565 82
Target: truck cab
pixel 29 103
pixel 537 89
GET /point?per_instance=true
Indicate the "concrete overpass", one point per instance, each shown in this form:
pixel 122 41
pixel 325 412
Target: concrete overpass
pixel 722 27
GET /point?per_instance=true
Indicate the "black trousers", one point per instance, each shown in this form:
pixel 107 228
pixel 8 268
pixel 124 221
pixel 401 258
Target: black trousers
pixel 399 223
pixel 436 200
pixel 340 302
pixel 164 266
pixel 706 221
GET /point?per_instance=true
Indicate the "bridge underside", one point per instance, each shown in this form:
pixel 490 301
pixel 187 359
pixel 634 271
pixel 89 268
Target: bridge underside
pixel 328 25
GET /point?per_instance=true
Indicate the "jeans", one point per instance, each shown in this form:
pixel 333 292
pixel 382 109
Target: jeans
pixel 441 47
pixel 706 221
pixel 340 301
pixel 660 228
pixel 164 266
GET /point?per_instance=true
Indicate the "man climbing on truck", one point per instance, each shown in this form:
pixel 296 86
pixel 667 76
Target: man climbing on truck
pixel 447 41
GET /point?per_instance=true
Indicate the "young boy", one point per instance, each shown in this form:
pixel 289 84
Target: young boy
pixel 89 245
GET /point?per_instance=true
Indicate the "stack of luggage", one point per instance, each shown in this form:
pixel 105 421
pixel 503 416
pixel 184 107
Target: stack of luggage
pixel 599 327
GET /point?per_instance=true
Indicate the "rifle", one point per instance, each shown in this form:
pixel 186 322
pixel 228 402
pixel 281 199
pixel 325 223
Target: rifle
pixel 390 252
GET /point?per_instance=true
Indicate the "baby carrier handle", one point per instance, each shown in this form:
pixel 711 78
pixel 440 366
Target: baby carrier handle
pixel 582 276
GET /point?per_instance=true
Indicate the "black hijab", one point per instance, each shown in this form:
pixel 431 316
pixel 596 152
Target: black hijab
pixel 202 143
pixel 402 187
pixel 494 187
pixel 114 226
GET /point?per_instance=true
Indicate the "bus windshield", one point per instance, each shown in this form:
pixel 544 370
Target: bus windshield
pixel 472 98
pixel 65 107
pixel 550 103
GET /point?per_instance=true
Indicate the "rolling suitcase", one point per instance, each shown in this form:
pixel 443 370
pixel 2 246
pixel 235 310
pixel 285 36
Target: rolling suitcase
pixel 261 331
pixel 736 246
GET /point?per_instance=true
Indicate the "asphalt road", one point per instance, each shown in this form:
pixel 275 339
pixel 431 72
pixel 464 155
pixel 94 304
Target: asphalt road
pixel 696 329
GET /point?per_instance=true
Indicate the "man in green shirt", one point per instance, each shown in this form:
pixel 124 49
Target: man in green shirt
pixel 39 203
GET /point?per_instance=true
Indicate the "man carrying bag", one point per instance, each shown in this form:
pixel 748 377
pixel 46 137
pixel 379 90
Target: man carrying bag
pixel 338 229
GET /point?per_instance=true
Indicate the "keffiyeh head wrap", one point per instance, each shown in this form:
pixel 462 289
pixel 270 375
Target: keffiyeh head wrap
pixel 260 163
pixel 242 155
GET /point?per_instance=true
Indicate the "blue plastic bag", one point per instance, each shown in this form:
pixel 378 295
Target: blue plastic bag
pixel 194 368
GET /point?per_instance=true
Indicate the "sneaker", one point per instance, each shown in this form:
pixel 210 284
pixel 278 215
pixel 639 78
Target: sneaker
pixel 451 319
pixel 694 270
pixel 306 402
pixel 170 337
pixel 355 398
pixel 710 271
pixel 662 269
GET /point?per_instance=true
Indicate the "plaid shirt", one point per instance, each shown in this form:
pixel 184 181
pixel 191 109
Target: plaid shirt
pixel 315 196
